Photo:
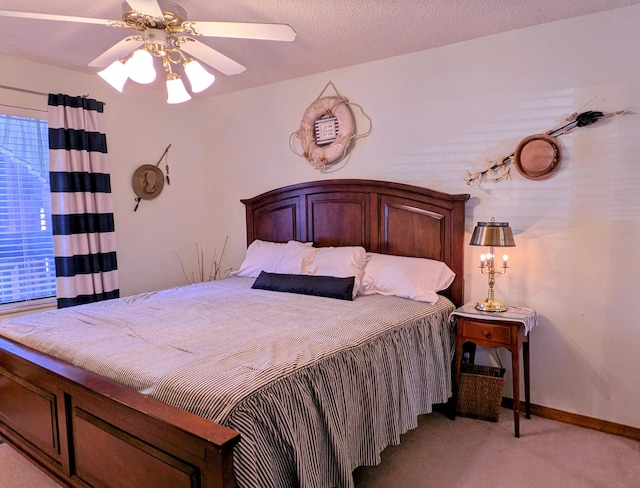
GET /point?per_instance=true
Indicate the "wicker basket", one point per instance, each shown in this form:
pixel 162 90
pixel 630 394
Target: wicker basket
pixel 480 392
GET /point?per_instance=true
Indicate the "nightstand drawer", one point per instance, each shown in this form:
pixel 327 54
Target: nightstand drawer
pixel 487 332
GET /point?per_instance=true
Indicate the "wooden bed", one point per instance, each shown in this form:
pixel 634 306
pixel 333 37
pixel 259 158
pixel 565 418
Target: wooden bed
pixel 84 430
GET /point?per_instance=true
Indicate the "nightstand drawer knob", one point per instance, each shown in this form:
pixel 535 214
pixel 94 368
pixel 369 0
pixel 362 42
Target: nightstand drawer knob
pixel 487 334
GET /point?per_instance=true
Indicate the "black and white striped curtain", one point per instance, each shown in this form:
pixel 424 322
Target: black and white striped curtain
pixel 82 209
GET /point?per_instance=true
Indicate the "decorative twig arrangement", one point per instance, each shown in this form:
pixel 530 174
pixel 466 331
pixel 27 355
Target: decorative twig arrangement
pixel 499 168
pixel 206 273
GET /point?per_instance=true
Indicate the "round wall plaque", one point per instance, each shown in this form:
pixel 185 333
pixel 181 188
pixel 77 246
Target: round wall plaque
pixel 537 157
pixel 147 181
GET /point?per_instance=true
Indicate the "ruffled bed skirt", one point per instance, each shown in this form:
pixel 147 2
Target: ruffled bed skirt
pixel 314 427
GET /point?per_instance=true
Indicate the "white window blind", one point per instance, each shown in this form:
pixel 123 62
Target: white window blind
pixel 27 264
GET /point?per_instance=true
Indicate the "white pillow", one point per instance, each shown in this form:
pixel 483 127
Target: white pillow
pixel 415 278
pixel 262 255
pixel 294 258
pixel 340 262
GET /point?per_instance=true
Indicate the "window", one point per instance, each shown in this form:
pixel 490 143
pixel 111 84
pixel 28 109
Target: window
pixel 27 264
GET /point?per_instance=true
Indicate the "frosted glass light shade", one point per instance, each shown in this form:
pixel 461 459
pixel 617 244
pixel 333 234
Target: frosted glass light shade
pixel 115 74
pixel 199 77
pixel 140 67
pixel 176 92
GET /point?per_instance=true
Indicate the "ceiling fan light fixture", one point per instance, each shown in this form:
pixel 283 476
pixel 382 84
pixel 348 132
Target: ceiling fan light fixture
pixel 115 74
pixel 163 31
pixel 176 92
pixel 199 78
pixel 140 67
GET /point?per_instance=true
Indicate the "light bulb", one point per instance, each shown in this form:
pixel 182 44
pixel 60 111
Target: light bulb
pixel 140 67
pixel 176 92
pixel 115 74
pixel 199 77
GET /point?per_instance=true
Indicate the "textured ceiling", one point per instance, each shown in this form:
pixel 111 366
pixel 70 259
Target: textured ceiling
pixel 330 33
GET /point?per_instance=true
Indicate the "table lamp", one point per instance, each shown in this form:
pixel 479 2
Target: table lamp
pixel 492 234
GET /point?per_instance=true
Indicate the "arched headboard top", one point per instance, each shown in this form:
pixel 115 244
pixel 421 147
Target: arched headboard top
pixel 384 217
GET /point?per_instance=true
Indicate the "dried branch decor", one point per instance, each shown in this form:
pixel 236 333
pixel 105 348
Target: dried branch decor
pixel 205 272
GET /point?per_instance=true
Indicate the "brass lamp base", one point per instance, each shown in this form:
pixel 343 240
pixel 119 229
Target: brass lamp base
pixel 491 305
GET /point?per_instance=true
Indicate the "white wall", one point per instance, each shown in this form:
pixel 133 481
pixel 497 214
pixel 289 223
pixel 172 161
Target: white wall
pixel 435 114
pixel 440 112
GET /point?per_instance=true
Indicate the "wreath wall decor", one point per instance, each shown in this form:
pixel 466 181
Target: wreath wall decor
pixel 538 156
pixel 327 130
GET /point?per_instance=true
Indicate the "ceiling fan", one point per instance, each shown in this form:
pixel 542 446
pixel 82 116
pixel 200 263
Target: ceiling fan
pixel 165 33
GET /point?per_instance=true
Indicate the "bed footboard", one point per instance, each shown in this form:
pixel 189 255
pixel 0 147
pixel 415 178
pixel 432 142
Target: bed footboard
pixel 84 430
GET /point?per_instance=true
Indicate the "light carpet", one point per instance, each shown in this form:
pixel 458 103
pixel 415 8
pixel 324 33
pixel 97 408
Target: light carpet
pixel 464 453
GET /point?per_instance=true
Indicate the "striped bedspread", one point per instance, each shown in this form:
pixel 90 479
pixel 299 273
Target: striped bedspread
pixel 315 386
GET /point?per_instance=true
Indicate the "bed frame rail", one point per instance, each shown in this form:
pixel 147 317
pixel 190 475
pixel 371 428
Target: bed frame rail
pixel 85 430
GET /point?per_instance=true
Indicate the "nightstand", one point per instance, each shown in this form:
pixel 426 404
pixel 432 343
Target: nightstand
pixel 508 329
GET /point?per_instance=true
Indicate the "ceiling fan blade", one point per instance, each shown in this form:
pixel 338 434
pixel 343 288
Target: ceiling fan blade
pixel 117 51
pixel 61 18
pixel 149 7
pixel 211 57
pixel 241 30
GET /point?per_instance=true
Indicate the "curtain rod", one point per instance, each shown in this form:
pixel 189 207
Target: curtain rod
pixel 23 108
pixel 24 90
pixel 32 92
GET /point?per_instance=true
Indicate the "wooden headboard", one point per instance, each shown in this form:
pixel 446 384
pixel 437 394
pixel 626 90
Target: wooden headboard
pixel 383 217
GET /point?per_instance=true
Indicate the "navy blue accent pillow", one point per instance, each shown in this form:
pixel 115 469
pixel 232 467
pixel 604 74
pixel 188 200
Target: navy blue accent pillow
pixel 320 286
